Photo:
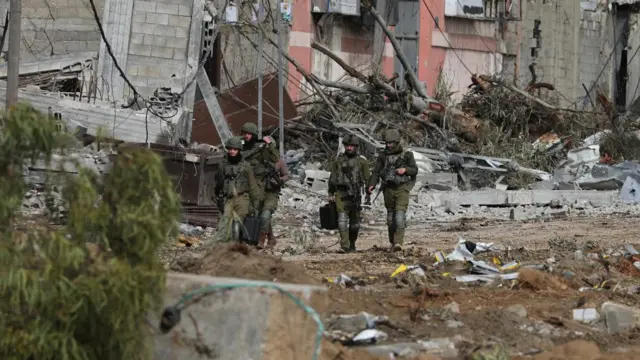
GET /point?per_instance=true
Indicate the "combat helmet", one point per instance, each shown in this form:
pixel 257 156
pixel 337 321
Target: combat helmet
pixel 234 143
pixel 351 139
pixel 250 128
pixel 392 136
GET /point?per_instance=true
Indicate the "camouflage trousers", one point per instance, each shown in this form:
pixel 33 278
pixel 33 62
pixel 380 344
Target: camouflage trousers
pixel 235 210
pixel 396 200
pixel 348 220
pixel 268 207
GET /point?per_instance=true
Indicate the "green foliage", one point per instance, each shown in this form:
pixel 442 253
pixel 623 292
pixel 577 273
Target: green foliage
pixel 82 292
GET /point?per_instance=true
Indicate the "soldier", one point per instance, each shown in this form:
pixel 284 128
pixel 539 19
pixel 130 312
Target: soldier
pixel 262 156
pixel 272 196
pixel 396 169
pixel 349 174
pixel 236 188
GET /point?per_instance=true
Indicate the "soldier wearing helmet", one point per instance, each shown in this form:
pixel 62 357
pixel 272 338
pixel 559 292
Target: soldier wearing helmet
pixel 349 174
pixel 396 170
pixel 262 156
pixel 236 188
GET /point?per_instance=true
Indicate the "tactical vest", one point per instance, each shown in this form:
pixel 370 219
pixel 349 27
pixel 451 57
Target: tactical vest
pixel 235 179
pixel 350 174
pixel 392 162
pixel 254 157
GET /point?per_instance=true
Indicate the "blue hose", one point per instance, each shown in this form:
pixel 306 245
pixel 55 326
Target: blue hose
pixel 309 310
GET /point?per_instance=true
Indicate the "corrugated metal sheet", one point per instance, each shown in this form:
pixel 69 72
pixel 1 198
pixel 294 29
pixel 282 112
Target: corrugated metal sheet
pixel 240 105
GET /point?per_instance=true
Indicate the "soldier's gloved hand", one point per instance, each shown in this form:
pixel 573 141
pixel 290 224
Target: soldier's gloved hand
pixel 455 161
pixel 370 189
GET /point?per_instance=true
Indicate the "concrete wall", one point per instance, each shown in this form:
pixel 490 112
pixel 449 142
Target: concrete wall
pixel 472 46
pixel 633 84
pixel 158 44
pixel 352 43
pixel 557 60
pixel 58 27
pixel 594 50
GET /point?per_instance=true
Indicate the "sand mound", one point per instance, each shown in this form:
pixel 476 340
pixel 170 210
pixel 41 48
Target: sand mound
pixel 239 260
pixel 540 281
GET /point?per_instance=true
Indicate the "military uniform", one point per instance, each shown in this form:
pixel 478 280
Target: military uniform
pixel 395 186
pixel 271 198
pixel 349 175
pixel 262 158
pixel 236 188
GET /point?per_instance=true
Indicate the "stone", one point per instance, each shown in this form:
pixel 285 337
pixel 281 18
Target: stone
pixel 453 308
pixel 517 310
pixel 585 315
pixel 619 318
pixel 454 324
pixel 242 323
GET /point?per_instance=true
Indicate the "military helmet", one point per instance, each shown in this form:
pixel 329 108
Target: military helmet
pixel 392 136
pixel 234 143
pixel 250 128
pixel 351 140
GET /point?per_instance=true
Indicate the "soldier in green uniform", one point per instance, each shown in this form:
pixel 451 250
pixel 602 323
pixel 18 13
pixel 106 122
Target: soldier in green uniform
pixel 396 170
pixel 236 189
pixel 349 175
pixel 262 155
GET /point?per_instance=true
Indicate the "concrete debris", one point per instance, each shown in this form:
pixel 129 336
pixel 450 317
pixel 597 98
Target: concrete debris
pixel 585 315
pixel 619 318
pixel 517 310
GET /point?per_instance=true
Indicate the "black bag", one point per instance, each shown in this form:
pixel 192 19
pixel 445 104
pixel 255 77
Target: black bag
pixel 329 216
pixel 251 231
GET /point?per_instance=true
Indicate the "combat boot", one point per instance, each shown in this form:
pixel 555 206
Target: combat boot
pixel 353 236
pixel 344 242
pixel 272 241
pixel 262 240
pixel 399 240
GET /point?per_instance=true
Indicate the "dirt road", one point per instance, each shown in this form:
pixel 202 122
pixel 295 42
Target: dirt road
pixel 526 316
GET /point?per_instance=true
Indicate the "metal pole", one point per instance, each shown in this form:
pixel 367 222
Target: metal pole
pixel 280 80
pixel 260 45
pixel 13 66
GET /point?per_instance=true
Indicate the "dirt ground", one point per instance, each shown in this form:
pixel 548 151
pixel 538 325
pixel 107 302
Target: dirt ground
pixel 525 317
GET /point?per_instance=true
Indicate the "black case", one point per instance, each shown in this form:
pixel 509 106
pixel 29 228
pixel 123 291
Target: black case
pixel 329 216
pixel 251 231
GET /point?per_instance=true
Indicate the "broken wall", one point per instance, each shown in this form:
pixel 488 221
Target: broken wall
pixel 633 83
pixel 57 27
pixel 238 45
pixel 351 42
pixel 158 44
pixel 594 71
pixel 476 45
pixel 560 52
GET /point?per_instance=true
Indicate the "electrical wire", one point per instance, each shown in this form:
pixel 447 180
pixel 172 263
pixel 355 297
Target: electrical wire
pixel 171 315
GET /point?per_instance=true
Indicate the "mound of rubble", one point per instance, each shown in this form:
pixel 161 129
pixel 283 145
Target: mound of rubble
pixel 240 261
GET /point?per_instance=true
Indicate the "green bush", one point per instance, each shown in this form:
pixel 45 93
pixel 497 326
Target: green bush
pixel 82 291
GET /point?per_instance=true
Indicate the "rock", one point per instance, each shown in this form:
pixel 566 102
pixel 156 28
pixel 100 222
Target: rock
pixel 453 308
pixel 351 324
pixel 619 318
pixel 454 324
pixel 578 255
pixel 585 315
pixel 517 310
pixel 444 347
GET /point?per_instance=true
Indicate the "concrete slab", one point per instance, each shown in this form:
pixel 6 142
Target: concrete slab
pixel 521 197
pixel 244 323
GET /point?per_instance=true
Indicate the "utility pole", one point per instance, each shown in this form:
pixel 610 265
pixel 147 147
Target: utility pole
pixel 260 46
pixel 279 26
pixel 13 66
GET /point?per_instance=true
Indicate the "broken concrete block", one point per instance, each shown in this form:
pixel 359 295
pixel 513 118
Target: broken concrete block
pixel 585 315
pixel 242 323
pixel 317 180
pixel 619 318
